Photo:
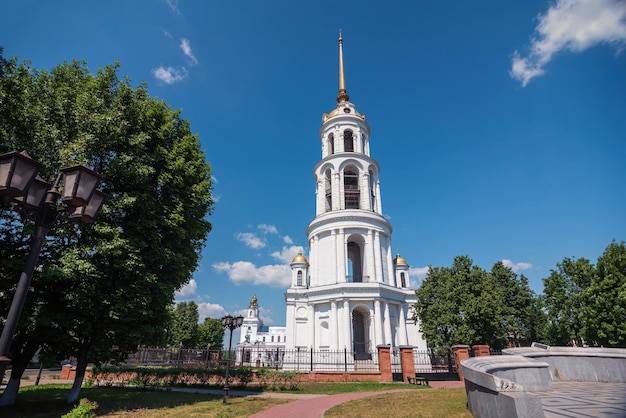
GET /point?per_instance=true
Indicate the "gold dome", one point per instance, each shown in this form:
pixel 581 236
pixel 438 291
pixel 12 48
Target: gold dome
pixel 300 259
pixel 253 302
pixel 400 261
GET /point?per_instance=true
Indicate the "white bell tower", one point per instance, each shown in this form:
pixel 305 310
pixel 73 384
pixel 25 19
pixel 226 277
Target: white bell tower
pixel 350 293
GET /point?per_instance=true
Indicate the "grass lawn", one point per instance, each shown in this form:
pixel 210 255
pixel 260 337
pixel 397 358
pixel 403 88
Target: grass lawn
pixel 49 401
pixel 440 403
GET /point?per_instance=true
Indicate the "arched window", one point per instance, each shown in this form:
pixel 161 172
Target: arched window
pixel 328 190
pixel 351 188
pixel 402 279
pixel 348 141
pixel 331 144
pixel 355 265
pixel 299 277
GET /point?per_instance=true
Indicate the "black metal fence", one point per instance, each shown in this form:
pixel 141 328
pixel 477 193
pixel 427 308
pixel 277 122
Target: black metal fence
pixel 170 356
pixel 304 359
pixel 299 359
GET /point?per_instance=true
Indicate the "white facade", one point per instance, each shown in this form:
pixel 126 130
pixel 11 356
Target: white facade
pixel 258 344
pixel 350 293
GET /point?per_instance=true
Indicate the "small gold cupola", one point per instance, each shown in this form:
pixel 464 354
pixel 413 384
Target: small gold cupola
pixel 400 261
pixel 300 259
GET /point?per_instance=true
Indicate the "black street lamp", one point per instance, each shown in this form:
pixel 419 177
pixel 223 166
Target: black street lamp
pixel 231 323
pixel 38 202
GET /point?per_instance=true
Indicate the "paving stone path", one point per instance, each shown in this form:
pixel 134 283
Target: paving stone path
pixel 584 400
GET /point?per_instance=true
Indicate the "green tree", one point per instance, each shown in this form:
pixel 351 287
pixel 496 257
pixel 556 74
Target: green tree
pixel 211 333
pixel 523 320
pixel 564 301
pixel 458 305
pixel 604 300
pixel 105 289
pixel 184 325
pixel 464 304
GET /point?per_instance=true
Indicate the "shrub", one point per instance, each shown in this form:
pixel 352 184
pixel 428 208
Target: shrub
pixel 84 409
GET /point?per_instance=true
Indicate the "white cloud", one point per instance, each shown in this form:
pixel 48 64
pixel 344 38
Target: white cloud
pixel 287 240
pixel 419 272
pixel 184 45
pixel 571 25
pixel 516 266
pixel 287 254
pixel 187 292
pixel 210 310
pixel 268 229
pixel 245 272
pixel 173 5
pixel 170 75
pixel 251 240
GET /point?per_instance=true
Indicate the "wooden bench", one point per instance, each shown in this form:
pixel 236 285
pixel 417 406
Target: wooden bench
pixel 417 380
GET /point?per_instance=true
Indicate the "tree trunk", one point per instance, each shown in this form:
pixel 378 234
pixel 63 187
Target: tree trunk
pixel 81 367
pixel 9 396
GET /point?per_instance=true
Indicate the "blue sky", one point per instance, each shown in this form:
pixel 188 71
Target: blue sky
pixel 499 127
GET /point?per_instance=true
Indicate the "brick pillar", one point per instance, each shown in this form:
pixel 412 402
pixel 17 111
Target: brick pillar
pixel 66 372
pixel 481 350
pixel 461 352
pixel 406 362
pixel 384 363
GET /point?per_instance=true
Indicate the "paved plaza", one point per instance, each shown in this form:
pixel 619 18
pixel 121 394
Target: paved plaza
pixel 584 399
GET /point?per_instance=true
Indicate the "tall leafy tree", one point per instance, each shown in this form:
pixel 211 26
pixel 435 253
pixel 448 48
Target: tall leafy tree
pixel 458 305
pixel 523 320
pixel 564 301
pixel 184 325
pixel 211 333
pixel 105 289
pixel 604 299
pixel 464 304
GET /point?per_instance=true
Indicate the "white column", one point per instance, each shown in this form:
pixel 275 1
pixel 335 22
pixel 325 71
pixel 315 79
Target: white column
pixel 347 315
pixel 402 339
pixel 387 325
pixel 336 190
pixel 391 274
pixel 334 329
pixel 364 198
pixel 377 257
pixel 378 324
pixel 369 256
pixel 315 254
pixel 311 326
pixel 342 270
pixel 320 197
pixel 379 202
pixel 333 236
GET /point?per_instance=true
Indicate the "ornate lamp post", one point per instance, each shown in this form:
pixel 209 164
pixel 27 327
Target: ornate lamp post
pixel 231 323
pixel 78 201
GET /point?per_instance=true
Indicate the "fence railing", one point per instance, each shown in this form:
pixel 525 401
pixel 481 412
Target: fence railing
pixel 302 359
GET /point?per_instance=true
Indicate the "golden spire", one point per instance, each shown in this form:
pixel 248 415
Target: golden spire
pixel 343 94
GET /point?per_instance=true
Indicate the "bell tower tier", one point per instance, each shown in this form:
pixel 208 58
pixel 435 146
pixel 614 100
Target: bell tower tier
pixel 350 293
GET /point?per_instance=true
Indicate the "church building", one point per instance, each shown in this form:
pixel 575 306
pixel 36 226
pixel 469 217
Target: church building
pixel 350 292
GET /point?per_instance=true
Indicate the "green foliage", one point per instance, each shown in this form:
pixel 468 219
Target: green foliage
pixel 563 300
pixel 84 409
pixel 169 376
pixel 605 299
pixel 464 304
pixel 271 379
pixel 210 333
pixel 586 304
pixel 184 325
pixel 105 289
